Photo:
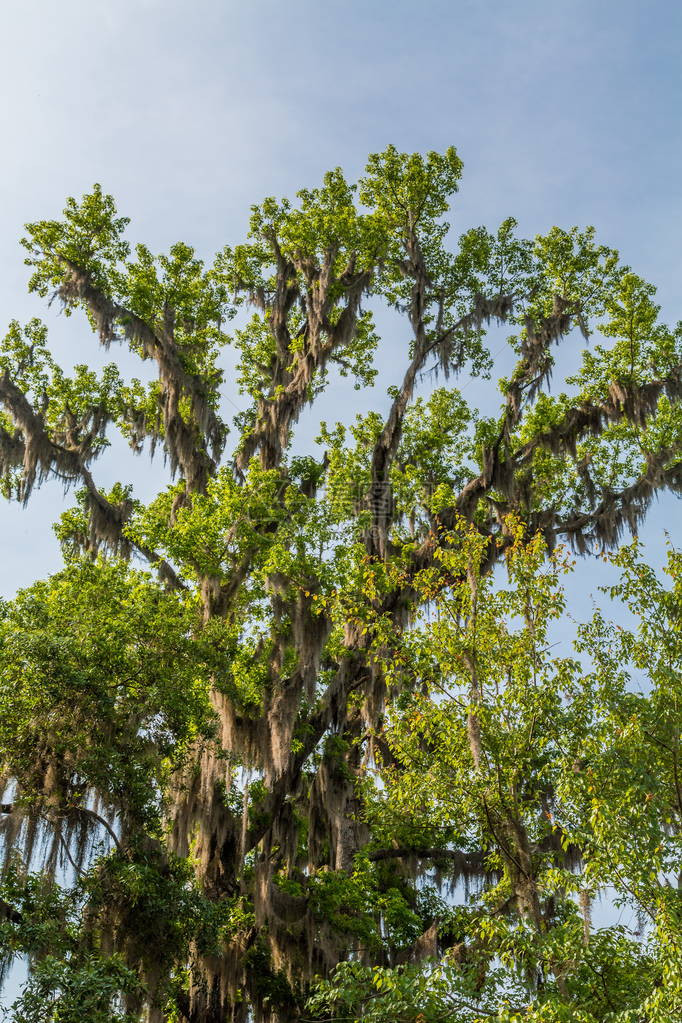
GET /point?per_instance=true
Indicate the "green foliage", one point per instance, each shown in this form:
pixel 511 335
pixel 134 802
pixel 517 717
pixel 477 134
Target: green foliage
pixel 565 779
pixel 76 988
pixel 321 759
pixel 99 670
pixel 90 236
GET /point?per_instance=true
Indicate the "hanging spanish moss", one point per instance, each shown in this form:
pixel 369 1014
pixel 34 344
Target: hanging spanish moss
pixel 203 771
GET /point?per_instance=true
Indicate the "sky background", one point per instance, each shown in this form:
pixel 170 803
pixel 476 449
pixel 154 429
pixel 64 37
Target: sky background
pixel 190 112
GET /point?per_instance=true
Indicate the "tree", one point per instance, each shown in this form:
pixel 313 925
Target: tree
pixel 542 785
pixel 193 738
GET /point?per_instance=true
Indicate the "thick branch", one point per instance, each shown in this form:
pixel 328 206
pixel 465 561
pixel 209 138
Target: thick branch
pixel 187 444
pixel 32 450
pixel 10 913
pixel 472 863
pixel 351 674
pixel 293 372
pixel 619 509
pixel 386 447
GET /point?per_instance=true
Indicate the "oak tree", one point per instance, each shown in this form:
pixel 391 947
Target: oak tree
pixel 198 732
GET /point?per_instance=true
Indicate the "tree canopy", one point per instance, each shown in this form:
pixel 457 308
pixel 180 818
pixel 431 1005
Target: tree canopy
pixel 289 741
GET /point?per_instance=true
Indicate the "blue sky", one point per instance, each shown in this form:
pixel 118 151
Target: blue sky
pixel 189 112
